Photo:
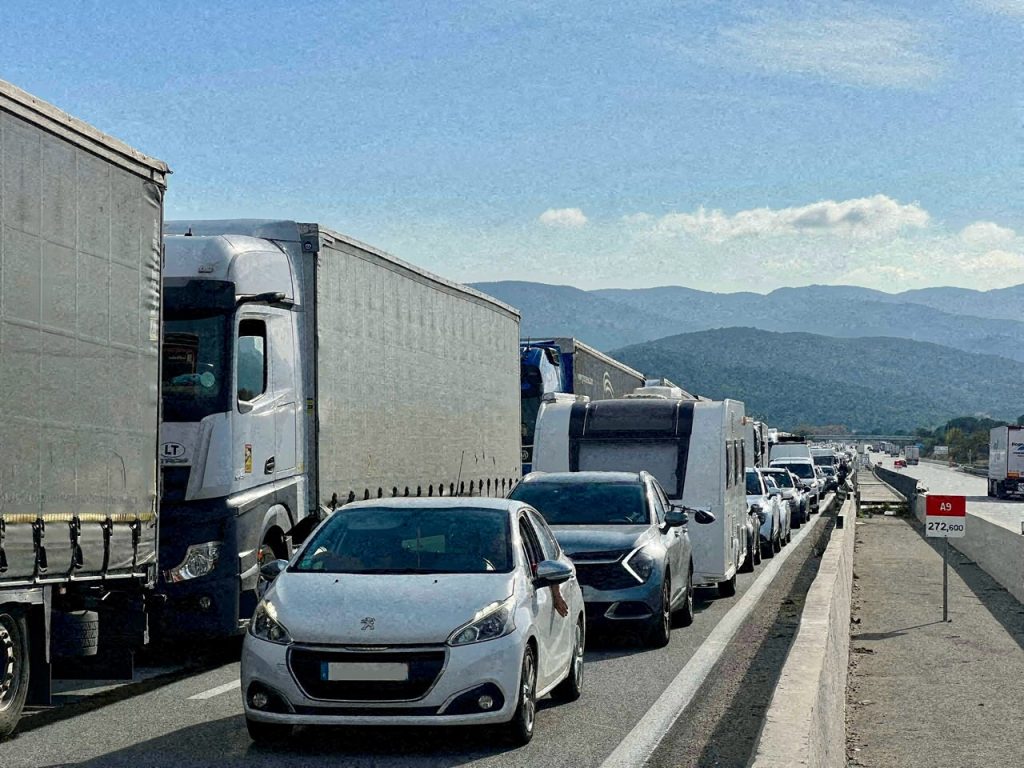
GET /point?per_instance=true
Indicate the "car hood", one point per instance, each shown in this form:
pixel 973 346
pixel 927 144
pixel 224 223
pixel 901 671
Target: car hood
pixel 592 539
pixel 414 608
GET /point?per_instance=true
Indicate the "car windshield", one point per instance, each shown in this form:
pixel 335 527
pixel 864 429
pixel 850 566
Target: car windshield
pixel 782 478
pixel 803 470
pixel 585 503
pixel 392 540
pixel 753 484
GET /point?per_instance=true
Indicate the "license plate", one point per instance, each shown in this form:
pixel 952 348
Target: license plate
pixel 364 671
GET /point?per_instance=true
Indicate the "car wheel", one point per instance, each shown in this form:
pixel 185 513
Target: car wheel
pixel 660 630
pixel 767 549
pixel 757 549
pixel 684 616
pixel 267 733
pixel 14 645
pixel 571 688
pixel 520 728
pixel 727 588
pixel 748 562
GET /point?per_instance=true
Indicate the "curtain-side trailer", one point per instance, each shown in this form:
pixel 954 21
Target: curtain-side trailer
pixel 81 220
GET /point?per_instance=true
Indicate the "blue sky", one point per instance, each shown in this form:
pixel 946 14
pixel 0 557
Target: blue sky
pixel 723 146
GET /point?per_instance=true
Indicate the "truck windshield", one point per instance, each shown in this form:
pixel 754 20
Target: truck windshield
pixel 196 370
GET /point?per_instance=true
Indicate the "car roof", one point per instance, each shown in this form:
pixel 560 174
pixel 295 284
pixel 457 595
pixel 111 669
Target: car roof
pixel 582 477
pixel 439 502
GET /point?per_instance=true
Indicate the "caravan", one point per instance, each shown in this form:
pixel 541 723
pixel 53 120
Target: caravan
pixel 693 447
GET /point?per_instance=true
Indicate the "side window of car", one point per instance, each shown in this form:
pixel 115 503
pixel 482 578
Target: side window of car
pixel 661 495
pixel 657 506
pixel 530 544
pixel 548 545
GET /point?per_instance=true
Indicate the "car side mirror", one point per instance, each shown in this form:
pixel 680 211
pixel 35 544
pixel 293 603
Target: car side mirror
pixel 676 517
pixel 774 491
pixel 703 516
pixel 272 570
pixel 551 572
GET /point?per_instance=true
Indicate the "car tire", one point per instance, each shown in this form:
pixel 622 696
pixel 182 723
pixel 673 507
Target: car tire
pixel 14 645
pixel 268 734
pixel 659 629
pixel 571 688
pixel 767 550
pixel 684 616
pixel 757 549
pixel 521 726
pixel 748 562
pixel 727 588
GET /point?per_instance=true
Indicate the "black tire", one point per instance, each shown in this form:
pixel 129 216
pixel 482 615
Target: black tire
pixel 659 629
pixel 727 588
pixel 14 645
pixel 757 548
pixel 767 550
pixel 268 734
pixel 521 726
pixel 75 633
pixel 684 616
pixel 999 490
pixel 571 688
pixel 748 562
pixel 990 493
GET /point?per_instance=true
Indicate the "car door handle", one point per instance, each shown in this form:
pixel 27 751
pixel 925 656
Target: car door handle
pixel 268 468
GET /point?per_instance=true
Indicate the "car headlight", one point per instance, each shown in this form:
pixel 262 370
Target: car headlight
pixel 758 510
pixel 491 622
pixel 265 626
pixel 640 564
pixel 199 560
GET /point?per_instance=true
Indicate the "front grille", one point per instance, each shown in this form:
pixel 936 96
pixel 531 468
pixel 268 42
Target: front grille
pixel 606 576
pixel 590 557
pixel 308 665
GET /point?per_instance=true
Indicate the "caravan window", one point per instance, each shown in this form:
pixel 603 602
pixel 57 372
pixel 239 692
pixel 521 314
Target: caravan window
pixel 659 457
pixel 728 465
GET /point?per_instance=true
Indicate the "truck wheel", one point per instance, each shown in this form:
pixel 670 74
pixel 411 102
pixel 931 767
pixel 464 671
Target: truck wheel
pixel 75 633
pixel 13 669
pixel 990 492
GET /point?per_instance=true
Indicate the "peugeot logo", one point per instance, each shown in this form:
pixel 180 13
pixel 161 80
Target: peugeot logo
pixel 368 622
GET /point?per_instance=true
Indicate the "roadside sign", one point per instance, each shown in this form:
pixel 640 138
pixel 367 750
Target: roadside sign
pixel 945 516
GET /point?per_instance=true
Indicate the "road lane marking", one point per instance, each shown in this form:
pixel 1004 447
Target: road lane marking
pixel 640 743
pixel 233 685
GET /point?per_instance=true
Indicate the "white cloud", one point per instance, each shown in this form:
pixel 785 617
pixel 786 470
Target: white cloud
pixel 568 218
pixel 866 217
pixel 854 44
pixel 986 233
pixel 1002 7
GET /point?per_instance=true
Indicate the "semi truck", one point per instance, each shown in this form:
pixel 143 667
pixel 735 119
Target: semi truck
pixel 568 369
pixel 302 370
pixel 81 218
pixel 1006 462
pixel 912 454
pixel 693 447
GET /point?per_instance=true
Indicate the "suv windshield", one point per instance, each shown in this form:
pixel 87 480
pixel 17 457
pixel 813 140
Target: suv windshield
pixel 195 370
pixel 753 484
pixel 417 540
pixel 585 503
pixel 803 470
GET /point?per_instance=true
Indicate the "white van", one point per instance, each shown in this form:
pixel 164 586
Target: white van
pixel 694 448
pixel 790 449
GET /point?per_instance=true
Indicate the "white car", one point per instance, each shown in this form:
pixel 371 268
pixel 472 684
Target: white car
pixel 806 477
pixel 416 612
pixel 769 510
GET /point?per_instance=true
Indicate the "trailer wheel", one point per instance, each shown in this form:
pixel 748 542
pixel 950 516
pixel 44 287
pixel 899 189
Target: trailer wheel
pixel 13 669
pixel 75 633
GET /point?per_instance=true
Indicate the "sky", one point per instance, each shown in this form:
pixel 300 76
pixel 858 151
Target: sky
pixel 716 145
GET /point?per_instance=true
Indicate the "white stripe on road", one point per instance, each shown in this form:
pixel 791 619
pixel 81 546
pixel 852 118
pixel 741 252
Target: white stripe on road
pixel 216 691
pixel 640 743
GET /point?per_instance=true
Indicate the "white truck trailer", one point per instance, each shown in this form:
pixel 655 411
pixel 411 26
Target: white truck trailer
pixel 81 219
pixel 693 447
pixel 1006 462
pixel 302 370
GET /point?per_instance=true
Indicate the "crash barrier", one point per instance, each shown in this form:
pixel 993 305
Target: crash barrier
pixel 997 548
pixel 805 724
pixel 904 484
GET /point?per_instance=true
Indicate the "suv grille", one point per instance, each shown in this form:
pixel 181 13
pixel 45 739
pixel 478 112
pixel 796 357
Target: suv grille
pixel 606 576
pixel 309 665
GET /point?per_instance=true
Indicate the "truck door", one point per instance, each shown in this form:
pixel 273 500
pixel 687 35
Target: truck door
pixel 254 430
pixel 284 380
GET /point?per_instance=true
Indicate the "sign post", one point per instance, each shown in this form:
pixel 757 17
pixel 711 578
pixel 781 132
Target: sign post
pixel 945 517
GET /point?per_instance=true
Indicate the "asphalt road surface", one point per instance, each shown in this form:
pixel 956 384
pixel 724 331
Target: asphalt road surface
pixel 725 666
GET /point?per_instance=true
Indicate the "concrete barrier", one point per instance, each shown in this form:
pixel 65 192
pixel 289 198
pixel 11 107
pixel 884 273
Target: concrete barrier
pixel 903 484
pixel 997 548
pixel 805 724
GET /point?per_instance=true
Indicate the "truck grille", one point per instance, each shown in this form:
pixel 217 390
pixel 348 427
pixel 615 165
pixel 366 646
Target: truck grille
pixel 604 576
pixel 308 664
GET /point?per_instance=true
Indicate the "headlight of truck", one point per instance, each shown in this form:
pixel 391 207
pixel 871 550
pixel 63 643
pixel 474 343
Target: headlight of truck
pixel 494 621
pixel 199 560
pixel 265 625
pixel 640 564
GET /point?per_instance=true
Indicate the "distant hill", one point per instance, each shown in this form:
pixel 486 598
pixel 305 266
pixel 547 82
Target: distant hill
pixel 868 384
pixel 614 317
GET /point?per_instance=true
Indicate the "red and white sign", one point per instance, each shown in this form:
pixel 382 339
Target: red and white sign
pixel 945 516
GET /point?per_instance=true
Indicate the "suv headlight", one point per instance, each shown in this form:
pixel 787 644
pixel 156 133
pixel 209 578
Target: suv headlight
pixel 199 560
pixel 640 564
pixel 494 621
pixel 265 625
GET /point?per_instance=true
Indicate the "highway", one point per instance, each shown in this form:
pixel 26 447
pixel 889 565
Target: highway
pixel 726 663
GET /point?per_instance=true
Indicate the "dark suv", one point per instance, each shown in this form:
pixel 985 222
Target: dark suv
pixel 629 545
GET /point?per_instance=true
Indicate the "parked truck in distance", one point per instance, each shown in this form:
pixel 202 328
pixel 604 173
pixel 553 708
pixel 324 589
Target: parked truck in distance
pixel 81 218
pixel 1006 462
pixel 302 370
pixel 566 366
pixel 912 454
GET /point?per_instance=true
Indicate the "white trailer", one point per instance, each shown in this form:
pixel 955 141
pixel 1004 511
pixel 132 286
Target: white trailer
pixel 693 447
pixel 80 217
pixel 303 370
pixel 1006 462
